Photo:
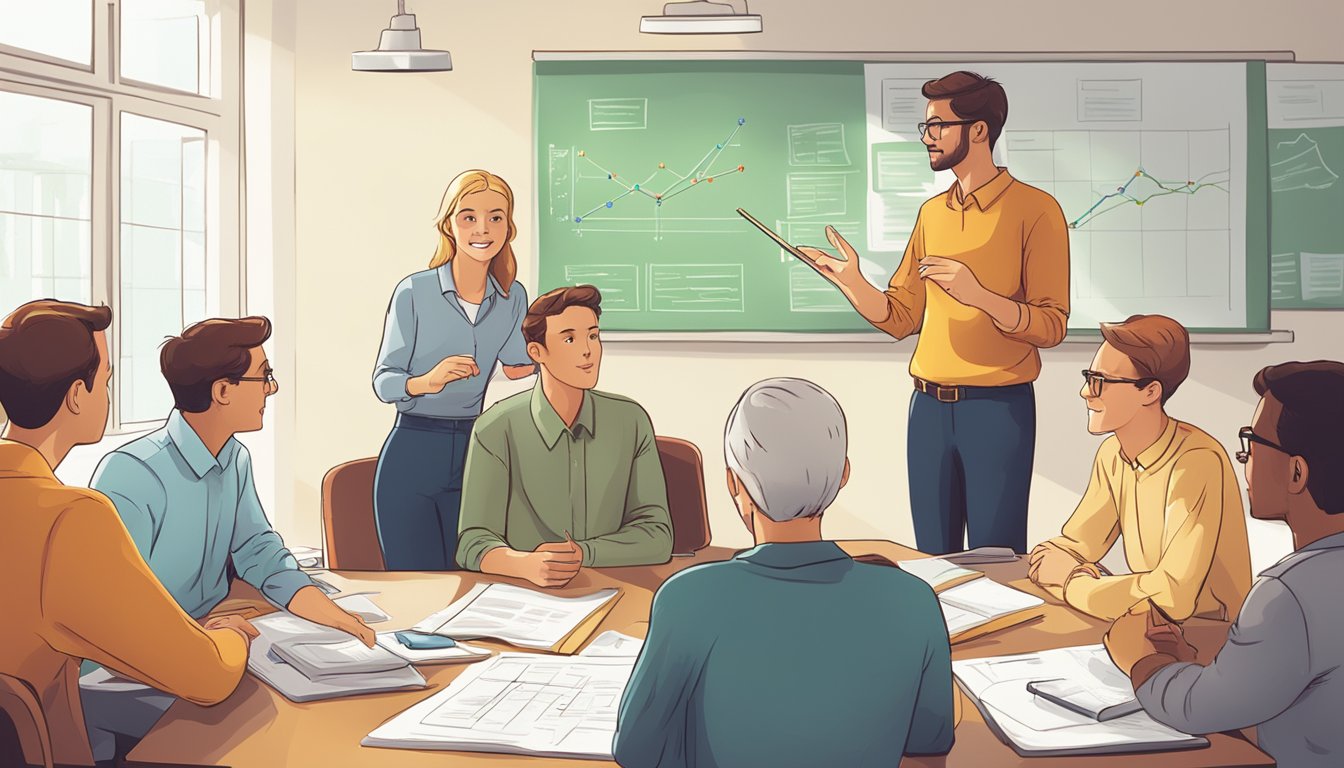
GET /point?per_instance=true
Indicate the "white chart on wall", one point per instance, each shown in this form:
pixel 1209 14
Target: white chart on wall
pixel 1147 161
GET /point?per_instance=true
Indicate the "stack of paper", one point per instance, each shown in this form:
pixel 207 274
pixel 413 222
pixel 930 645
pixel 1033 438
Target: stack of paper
pixel 1034 726
pixel 938 572
pixel 327 659
pixel 268 662
pixel 518 703
pixel 522 617
pixel 982 606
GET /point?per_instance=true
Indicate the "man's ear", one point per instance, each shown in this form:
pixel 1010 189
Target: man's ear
pixel 535 350
pixel 1152 393
pixel 979 131
pixel 219 391
pixel 74 396
pixel 734 487
pixel 844 477
pixel 1301 472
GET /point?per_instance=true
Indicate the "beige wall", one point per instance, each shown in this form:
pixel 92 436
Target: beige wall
pixel 373 153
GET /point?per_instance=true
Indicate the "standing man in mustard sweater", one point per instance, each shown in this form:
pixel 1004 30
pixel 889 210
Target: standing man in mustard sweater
pixel 75 586
pixel 985 283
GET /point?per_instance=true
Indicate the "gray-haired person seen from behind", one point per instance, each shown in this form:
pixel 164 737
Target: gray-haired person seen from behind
pixel 730 672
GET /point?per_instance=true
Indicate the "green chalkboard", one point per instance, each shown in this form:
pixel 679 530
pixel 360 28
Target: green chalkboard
pixel 699 139
pixel 1307 218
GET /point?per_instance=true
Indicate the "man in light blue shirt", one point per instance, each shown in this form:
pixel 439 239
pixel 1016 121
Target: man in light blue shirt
pixel 741 665
pixel 186 495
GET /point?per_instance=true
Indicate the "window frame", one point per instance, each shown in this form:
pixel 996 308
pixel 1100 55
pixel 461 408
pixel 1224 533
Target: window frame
pixel 220 116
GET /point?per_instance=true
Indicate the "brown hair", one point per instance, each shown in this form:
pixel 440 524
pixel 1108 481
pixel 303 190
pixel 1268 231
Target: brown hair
pixel 974 97
pixel 555 302
pixel 503 267
pixel 45 347
pixel 1311 423
pixel 1158 346
pixel 207 352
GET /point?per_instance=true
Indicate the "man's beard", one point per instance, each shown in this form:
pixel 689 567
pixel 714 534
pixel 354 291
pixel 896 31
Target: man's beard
pixel 945 161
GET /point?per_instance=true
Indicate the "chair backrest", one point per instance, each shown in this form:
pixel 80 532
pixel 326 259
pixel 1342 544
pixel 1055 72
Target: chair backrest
pixel 347 517
pixel 685 474
pixel 19 704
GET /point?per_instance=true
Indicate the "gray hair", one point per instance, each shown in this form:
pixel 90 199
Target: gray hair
pixel 786 441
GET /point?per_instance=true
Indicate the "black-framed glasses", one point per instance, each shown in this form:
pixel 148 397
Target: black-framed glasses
pixel 1095 380
pixel 935 129
pixel 268 377
pixel 1248 436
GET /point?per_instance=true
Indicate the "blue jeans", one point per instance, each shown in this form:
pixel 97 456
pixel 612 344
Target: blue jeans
pixel 970 468
pixel 417 492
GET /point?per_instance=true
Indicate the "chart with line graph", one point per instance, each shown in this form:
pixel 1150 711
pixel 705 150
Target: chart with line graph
pixel 1148 211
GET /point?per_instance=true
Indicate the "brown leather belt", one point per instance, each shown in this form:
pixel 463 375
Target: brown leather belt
pixel 941 393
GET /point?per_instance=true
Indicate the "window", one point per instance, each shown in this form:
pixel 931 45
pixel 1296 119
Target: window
pixel 119 171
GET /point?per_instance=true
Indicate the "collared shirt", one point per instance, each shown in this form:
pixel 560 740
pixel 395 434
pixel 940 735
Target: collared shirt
pixel 74 588
pixel 1178 506
pixel 741 665
pixel 529 479
pixel 1014 239
pixel 425 323
pixel 1280 668
pixel 189 513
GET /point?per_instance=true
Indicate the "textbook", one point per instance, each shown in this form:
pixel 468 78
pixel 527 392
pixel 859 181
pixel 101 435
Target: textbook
pixel 1034 726
pixel 938 572
pixel 1100 700
pixel 522 617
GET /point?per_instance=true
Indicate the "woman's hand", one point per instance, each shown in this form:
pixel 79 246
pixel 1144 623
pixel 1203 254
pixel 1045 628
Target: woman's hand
pixel 449 369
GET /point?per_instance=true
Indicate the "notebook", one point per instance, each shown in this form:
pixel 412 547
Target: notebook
pixel 1112 699
pixel 329 658
pixel 976 608
pixel 1033 726
pixel 271 667
pixel 522 617
pixel 938 573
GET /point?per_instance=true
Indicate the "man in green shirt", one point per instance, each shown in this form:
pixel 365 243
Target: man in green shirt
pixel 563 476
pixel 791 653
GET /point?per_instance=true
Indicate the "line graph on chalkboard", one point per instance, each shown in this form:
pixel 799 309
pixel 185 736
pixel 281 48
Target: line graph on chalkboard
pixel 605 198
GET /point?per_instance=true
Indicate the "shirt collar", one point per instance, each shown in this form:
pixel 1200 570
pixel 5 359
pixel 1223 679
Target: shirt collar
pixel 1152 455
pixel 549 423
pixel 794 554
pixel 22 460
pixel 448 285
pixel 191 447
pixel 1333 541
pixel 985 196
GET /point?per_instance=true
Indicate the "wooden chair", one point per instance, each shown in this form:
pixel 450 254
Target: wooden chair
pixel 20 706
pixel 685 473
pixel 347 517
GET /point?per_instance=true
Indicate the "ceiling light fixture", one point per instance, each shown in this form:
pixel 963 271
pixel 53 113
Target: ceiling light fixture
pixel 399 49
pixel 702 17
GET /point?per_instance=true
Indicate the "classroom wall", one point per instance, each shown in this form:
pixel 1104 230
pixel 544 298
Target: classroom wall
pixel 372 154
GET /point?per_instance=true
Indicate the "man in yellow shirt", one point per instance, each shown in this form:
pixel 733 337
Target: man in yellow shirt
pixel 1176 502
pixel 74 585
pixel 985 283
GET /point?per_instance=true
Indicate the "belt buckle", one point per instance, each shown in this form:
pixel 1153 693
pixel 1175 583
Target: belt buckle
pixel 938 393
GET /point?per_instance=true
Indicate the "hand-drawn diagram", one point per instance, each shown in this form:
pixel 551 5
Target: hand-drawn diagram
pixel 1298 164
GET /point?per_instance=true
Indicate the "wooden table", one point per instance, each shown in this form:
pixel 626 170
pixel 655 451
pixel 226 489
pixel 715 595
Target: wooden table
pixel 258 728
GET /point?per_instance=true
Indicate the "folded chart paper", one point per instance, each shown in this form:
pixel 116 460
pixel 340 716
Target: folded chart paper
pixel 1032 725
pixel 518 703
pixel 521 617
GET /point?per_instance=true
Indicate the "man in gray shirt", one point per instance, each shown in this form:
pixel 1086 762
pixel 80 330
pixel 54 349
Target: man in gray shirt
pixel 1279 668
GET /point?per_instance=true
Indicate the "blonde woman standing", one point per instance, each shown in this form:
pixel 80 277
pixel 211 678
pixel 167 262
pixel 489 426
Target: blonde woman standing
pixel 446 328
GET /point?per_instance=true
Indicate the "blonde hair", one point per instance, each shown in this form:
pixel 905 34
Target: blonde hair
pixel 504 266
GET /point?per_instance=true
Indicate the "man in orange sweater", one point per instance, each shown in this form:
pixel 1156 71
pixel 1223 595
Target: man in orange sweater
pixel 74 585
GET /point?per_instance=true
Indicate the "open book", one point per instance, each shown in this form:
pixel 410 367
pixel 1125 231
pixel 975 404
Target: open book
pixel 1034 726
pixel 306 661
pixel 522 617
pixel 938 572
pixel 983 606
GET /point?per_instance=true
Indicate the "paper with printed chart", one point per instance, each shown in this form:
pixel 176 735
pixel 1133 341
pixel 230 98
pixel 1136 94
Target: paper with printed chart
pixel 518 703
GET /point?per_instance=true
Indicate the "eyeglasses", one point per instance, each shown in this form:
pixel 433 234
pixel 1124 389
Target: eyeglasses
pixel 268 377
pixel 1247 437
pixel 1095 380
pixel 935 129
